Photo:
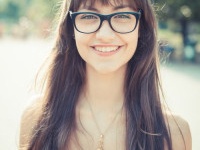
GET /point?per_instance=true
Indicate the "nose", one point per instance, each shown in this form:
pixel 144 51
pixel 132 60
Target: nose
pixel 105 33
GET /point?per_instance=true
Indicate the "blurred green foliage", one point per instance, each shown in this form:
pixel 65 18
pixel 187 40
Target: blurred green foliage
pixel 12 10
pixel 179 25
pixel 178 20
pixel 36 10
pixel 182 16
pixel 170 9
pixel 176 14
pixel 23 18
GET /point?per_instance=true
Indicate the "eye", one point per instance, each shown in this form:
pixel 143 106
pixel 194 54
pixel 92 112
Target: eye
pixel 122 16
pixel 88 16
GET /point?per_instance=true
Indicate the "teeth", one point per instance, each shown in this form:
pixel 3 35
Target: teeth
pixel 106 49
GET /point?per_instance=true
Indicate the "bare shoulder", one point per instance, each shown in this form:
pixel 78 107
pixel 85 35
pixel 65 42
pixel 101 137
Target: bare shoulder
pixel 180 132
pixel 29 119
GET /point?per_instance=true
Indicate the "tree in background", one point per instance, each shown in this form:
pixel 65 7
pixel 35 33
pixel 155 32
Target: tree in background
pixel 181 11
pixel 32 14
pixel 40 11
pixel 33 9
pixel 10 10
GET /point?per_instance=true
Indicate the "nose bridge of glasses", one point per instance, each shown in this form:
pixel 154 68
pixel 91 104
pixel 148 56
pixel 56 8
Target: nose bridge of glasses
pixel 105 18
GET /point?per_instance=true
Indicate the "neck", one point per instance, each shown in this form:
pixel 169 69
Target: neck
pixel 105 91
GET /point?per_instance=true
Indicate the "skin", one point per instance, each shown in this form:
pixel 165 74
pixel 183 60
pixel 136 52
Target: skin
pixel 106 37
pixel 34 110
pixel 105 73
pixel 104 89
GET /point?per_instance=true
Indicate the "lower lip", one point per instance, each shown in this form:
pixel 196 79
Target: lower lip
pixel 107 53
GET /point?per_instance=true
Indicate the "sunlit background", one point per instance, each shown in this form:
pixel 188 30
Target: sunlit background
pixel 26 38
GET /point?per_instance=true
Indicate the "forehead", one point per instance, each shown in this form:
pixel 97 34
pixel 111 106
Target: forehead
pixel 90 3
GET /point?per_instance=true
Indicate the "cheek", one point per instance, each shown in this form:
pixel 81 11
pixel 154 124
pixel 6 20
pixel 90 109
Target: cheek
pixel 82 44
pixel 132 42
pixel 81 39
pixel 78 36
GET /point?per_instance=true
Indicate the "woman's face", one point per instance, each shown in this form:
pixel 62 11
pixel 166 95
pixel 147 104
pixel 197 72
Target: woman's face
pixel 106 51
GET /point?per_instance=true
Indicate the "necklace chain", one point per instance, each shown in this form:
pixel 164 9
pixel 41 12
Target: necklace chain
pixel 102 134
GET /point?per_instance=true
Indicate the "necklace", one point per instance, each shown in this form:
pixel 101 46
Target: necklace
pixel 100 145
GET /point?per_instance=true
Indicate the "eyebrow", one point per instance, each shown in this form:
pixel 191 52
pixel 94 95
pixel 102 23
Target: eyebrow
pixel 115 8
pixel 121 7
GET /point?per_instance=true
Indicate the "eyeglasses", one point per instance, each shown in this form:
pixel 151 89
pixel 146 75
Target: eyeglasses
pixel 90 22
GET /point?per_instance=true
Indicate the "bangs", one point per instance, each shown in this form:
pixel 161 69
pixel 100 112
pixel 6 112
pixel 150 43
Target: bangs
pixel 77 3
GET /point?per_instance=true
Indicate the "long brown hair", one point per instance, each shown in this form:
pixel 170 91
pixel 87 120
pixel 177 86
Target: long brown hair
pixel 145 125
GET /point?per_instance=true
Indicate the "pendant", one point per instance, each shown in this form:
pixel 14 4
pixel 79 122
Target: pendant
pixel 100 144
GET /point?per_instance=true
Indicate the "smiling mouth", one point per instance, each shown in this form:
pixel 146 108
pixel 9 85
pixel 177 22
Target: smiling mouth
pixel 106 49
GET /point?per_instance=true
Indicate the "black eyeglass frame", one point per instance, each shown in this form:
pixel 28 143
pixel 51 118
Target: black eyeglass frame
pixel 105 17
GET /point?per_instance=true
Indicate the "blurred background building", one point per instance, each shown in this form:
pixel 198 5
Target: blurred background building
pixel 26 27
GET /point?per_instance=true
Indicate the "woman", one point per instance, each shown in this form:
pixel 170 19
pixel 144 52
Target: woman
pixel 102 88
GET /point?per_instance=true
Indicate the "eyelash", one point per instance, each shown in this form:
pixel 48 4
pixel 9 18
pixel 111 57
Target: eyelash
pixel 122 16
pixel 87 17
